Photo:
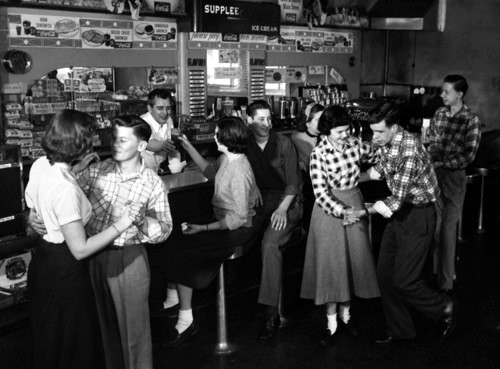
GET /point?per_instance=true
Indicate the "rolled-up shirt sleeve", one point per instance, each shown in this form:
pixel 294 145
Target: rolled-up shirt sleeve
pixel 211 170
pixel 158 218
pixel 240 190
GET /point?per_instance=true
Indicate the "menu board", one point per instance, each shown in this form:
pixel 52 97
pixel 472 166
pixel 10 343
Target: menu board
pixel 56 31
pixel 290 40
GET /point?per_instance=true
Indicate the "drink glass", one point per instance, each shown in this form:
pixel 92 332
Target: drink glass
pixel 175 133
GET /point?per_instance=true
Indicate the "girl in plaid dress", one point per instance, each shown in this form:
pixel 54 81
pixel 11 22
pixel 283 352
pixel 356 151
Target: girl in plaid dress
pixel 339 261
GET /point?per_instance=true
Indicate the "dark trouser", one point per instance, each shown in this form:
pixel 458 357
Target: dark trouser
pixel 272 258
pixel 403 252
pixel 452 184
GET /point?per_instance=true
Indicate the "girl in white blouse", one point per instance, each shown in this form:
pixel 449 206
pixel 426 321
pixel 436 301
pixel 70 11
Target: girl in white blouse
pixel 61 301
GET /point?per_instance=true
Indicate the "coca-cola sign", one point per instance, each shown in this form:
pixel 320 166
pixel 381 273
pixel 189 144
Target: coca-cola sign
pixel 230 37
pixel 162 8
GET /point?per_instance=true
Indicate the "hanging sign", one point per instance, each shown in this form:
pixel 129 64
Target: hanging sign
pixel 239 17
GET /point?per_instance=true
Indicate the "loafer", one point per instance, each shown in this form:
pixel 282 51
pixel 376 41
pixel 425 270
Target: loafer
pixel 390 340
pixel 448 324
pixel 349 327
pixel 270 327
pixel 176 338
pixel 171 312
pixel 326 338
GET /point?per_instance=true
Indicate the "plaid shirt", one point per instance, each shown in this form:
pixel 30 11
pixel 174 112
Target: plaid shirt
pixel 108 191
pixel 408 170
pixel 337 170
pixel 454 140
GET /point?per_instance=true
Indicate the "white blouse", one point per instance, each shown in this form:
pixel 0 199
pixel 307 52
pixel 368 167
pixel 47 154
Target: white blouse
pixel 53 192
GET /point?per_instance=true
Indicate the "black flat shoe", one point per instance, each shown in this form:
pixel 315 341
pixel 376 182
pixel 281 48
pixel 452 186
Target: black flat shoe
pixel 326 338
pixel 171 312
pixel 350 327
pixel 177 338
pixel 448 324
pixel 270 328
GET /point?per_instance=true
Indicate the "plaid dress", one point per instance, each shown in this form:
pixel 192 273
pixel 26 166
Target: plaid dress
pixel 339 261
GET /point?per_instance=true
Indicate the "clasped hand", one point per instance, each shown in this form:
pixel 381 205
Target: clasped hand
pixel 351 216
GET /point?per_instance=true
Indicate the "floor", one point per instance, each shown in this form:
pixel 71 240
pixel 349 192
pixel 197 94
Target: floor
pixel 475 343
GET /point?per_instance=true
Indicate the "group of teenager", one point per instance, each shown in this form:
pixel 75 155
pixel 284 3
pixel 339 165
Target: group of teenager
pixel 89 278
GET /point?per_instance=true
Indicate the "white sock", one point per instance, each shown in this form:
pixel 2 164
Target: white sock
pixel 184 320
pixel 172 298
pixel 332 322
pixel 345 315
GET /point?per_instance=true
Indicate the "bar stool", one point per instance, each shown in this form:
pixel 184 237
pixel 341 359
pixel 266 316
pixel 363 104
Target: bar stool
pixel 470 178
pixel 483 172
pixel 223 346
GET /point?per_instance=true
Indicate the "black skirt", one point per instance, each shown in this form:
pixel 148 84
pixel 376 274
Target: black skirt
pixel 62 310
pixel 194 260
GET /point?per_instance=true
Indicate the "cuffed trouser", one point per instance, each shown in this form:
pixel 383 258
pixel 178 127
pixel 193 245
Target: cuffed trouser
pixel 403 252
pixel 453 184
pixel 120 279
pixel 272 258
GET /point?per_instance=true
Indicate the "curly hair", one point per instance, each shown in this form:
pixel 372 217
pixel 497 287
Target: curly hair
pixel 332 117
pixel 68 136
pixel 233 133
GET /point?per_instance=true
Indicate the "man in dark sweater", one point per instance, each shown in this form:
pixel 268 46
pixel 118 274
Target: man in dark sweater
pixel 274 161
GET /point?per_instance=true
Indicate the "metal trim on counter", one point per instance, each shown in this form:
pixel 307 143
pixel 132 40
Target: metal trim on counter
pixel 185 181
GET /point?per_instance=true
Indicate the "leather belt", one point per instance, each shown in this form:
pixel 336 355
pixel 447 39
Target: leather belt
pixel 420 206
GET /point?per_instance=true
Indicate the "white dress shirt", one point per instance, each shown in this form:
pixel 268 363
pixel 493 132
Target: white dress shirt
pixel 160 132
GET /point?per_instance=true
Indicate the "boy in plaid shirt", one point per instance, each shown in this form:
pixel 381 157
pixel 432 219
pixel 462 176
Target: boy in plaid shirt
pixel 454 136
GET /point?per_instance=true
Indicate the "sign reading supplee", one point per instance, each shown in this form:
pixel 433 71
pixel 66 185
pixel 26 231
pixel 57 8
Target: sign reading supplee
pixel 239 17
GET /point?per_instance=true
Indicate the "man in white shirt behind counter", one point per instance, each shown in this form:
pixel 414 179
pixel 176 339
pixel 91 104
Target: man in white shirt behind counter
pixel 159 118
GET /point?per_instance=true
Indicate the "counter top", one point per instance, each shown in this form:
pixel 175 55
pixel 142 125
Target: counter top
pixel 190 178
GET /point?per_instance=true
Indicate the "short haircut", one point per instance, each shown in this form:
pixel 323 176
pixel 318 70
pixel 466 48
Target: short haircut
pixel 387 111
pixel 459 82
pixel 257 105
pixel 139 126
pixel 160 93
pixel 302 124
pixel 233 133
pixel 333 116
pixel 68 136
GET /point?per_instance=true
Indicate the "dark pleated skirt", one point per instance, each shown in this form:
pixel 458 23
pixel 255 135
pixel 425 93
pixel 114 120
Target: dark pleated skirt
pixel 194 260
pixel 62 310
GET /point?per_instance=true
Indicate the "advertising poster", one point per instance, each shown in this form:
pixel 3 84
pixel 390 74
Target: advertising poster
pixel 291 11
pixel 338 13
pixel 32 30
pixel 62 31
pixel 94 79
pixel 106 34
pixel 162 75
